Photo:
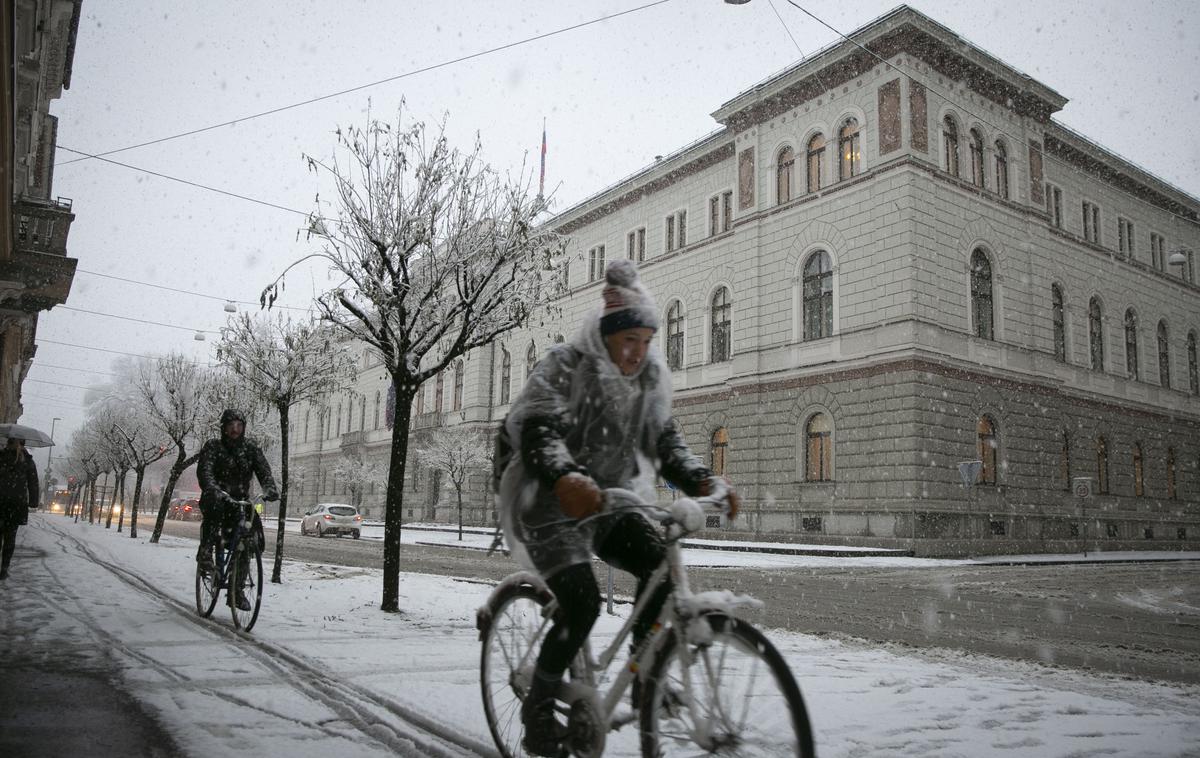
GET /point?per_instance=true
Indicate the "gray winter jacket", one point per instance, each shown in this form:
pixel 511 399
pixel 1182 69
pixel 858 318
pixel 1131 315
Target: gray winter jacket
pixel 578 413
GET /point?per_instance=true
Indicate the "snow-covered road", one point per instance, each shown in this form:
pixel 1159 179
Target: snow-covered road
pixel 326 673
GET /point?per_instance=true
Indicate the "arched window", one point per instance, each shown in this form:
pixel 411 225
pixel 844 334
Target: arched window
pixel 362 414
pixel 950 144
pixel 675 324
pixel 818 455
pixel 987 444
pixel 458 385
pixel 337 429
pixel 377 398
pixel 1096 334
pixel 307 415
pixel 815 162
pixel 976 158
pixel 1060 323
pixel 1064 460
pixel 818 296
pixel 720 328
pixel 1102 466
pixel 1172 493
pixel 420 401
pixel 720 446
pixel 981 295
pixel 1164 356
pixel 531 357
pixel 1139 471
pixel 783 174
pixel 1131 344
pixel 439 389
pixel 1001 170
pixel 505 376
pixel 1193 365
pixel 849 150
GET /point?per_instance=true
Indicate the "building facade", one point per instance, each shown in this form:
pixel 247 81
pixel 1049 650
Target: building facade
pixel 888 261
pixel 38 45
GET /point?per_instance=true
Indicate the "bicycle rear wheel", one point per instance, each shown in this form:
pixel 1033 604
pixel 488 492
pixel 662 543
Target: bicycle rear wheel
pixel 208 587
pixel 746 702
pixel 511 640
pixel 248 579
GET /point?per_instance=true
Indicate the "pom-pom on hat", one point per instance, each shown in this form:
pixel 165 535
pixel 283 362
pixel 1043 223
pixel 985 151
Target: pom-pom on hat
pixel 627 302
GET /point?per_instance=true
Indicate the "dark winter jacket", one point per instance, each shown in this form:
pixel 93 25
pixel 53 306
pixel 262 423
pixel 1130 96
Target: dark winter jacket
pixel 225 468
pixel 18 487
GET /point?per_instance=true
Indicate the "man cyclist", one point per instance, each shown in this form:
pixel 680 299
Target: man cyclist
pixel 595 413
pixel 224 470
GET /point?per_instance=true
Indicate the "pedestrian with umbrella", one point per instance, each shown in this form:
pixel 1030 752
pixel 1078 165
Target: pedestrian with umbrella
pixel 18 486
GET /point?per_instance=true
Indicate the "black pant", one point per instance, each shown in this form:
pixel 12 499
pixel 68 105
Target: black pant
pixel 9 537
pixel 632 545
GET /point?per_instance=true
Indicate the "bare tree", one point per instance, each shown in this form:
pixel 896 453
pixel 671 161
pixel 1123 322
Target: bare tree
pixel 176 394
pixel 358 473
pixel 437 254
pixel 456 451
pixel 284 363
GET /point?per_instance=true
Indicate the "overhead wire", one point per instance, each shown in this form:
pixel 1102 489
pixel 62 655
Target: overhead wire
pixel 183 291
pixel 116 352
pixel 60 384
pixel 137 320
pixel 1000 130
pixel 397 77
pixel 37 364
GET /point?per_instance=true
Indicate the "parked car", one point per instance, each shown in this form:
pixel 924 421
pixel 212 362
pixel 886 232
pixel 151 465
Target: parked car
pixel 184 509
pixel 332 518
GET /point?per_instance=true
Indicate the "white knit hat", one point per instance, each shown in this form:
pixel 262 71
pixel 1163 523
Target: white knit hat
pixel 627 302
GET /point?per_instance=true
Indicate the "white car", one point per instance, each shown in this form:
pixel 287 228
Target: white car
pixel 332 518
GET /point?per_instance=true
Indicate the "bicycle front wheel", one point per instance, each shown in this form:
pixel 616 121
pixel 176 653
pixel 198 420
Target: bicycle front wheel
pixel 511 640
pixel 245 584
pixel 208 587
pixel 738 697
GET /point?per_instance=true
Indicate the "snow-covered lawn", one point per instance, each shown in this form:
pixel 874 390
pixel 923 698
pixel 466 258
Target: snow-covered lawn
pixel 326 673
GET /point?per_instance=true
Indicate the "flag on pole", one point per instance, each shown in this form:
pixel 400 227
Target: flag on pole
pixel 542 178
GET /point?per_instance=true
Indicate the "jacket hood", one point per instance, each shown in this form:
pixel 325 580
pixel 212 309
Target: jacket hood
pixel 231 415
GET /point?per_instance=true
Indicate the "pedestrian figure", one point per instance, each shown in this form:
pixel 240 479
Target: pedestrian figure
pixel 18 493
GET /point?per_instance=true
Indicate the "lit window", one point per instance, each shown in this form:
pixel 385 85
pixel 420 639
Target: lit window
pixel 849 150
pixel 720 447
pixel 818 458
pixel 815 162
pixel 987 442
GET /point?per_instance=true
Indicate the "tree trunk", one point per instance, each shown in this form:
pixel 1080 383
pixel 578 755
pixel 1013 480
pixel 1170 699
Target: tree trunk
pixel 277 570
pixel 458 490
pixel 394 502
pixel 139 474
pixel 121 489
pixel 182 461
pixel 92 502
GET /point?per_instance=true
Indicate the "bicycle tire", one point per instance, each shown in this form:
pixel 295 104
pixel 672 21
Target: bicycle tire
pixel 208 589
pixel 511 631
pixel 665 727
pixel 245 619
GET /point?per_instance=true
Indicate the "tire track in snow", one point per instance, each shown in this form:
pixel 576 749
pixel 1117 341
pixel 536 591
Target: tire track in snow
pixel 394 725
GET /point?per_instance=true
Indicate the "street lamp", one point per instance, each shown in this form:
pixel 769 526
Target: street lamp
pixel 1181 257
pixel 50 455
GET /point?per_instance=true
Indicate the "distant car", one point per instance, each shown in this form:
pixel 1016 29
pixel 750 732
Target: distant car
pixel 184 509
pixel 60 501
pixel 332 518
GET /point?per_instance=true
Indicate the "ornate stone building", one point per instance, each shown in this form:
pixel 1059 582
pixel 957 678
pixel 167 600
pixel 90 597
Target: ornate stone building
pixel 37 43
pixel 887 261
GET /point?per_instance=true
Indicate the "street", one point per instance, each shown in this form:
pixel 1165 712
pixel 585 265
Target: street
pixel 1133 619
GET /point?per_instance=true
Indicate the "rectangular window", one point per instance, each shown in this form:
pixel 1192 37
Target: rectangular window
pixel 811 523
pixel 641 244
pixel 1158 251
pixel 1091 222
pixel 727 211
pixel 596 263
pixel 681 223
pixel 1125 237
pixel 670 233
pixel 998 528
pixel 714 216
pixel 1054 205
pixel 631 245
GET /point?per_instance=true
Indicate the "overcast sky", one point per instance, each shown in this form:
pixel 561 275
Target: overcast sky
pixel 614 94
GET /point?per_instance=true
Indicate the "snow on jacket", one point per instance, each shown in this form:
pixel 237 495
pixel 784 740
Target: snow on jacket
pixel 578 413
pixel 225 467
pixel 18 487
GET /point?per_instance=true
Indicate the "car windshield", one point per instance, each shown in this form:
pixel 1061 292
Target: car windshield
pixel 342 510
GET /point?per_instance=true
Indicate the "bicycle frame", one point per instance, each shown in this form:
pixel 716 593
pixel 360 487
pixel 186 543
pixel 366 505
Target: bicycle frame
pixel 682 608
pixel 226 553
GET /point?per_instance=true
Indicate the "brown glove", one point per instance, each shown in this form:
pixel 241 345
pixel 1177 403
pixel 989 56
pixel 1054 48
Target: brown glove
pixel 733 503
pixel 578 495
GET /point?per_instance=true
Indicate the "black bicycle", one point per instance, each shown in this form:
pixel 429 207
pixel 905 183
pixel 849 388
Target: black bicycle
pixel 236 567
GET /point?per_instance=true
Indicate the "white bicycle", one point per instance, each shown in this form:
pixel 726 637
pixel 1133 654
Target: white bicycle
pixel 710 682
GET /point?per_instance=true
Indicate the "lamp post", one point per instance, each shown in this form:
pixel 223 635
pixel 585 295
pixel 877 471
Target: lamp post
pixel 50 461
pixel 1180 257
